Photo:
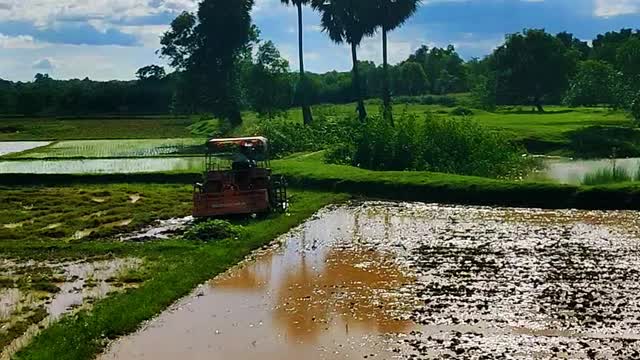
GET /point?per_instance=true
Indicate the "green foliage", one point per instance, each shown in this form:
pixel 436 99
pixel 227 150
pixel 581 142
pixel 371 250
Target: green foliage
pixel 484 93
pixel 444 69
pixel 411 79
pixel 443 100
pixel 592 85
pixel 458 146
pixel 635 108
pixel 462 111
pixel 288 137
pixel 532 66
pixel 213 230
pixel 270 84
pixel 212 75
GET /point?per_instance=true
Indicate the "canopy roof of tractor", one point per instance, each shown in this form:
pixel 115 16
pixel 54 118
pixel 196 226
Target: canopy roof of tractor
pixel 256 146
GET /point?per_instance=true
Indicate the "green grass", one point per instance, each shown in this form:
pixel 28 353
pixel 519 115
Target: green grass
pixel 308 171
pixel 43 214
pixel 180 266
pixel 607 176
pixel 123 148
pixel 581 132
pixel 94 128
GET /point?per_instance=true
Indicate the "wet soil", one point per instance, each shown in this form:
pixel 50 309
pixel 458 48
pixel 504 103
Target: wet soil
pixel 33 294
pixel 407 281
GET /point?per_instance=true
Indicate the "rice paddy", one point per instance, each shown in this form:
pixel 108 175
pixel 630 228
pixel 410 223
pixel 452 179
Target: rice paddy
pixel 11 147
pixel 128 148
pixel 102 166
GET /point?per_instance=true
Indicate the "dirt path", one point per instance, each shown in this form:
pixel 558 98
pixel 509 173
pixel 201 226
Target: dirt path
pixel 386 281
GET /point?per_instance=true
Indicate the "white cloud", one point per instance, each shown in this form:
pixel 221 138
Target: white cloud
pixel 18 42
pixel 610 8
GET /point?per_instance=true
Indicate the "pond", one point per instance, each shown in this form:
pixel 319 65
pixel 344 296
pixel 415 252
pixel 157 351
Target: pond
pixel 10 147
pixel 102 166
pixel 569 171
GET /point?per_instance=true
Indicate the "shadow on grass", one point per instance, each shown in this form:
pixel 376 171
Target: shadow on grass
pixel 605 141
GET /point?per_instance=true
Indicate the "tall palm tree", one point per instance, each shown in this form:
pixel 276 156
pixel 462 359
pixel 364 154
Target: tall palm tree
pixel 391 14
pixel 302 85
pixel 349 21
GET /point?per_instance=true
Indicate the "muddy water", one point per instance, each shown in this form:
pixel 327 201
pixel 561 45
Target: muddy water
pixel 387 281
pixel 10 147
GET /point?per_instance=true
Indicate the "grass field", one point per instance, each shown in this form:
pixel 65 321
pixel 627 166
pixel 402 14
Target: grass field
pixel 124 148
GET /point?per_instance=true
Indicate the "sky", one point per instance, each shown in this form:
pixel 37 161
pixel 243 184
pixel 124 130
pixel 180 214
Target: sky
pixel 111 39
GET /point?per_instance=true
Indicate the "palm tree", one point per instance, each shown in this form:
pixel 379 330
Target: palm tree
pixel 302 85
pixel 391 14
pixel 349 21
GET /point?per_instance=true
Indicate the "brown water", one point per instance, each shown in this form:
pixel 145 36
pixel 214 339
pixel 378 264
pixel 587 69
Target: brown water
pixel 387 280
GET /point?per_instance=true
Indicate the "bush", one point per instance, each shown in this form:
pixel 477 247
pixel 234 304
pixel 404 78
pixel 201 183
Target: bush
pixel 635 108
pixel 287 137
pixel 443 100
pixel 213 230
pixel 461 111
pixel 458 146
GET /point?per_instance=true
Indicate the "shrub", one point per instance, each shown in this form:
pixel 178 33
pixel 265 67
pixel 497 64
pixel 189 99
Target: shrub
pixel 459 146
pixel 635 108
pixel 213 230
pixel 443 100
pixel 461 111
pixel 288 137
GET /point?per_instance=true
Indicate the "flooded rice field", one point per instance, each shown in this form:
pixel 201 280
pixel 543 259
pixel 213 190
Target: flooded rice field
pixel 32 294
pixel 124 148
pixel 102 166
pixel 10 147
pixel 416 281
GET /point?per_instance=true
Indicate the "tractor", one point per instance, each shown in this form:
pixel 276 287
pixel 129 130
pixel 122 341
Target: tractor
pixel 238 180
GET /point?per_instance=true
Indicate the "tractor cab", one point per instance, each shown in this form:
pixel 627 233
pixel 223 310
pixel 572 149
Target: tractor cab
pixel 238 180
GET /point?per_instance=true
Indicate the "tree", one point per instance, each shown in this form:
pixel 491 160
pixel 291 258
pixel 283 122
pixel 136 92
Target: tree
pixel 592 84
pixel 208 48
pixel 628 58
pixel 151 73
pixel 348 21
pixel 532 66
pixel 605 46
pixel 303 84
pixel 390 15
pixel 412 80
pixel 571 42
pixel 635 108
pixel 271 87
pixel 444 68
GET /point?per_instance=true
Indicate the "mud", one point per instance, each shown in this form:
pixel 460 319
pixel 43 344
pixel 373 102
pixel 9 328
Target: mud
pixel 161 229
pixel 71 285
pixel 408 281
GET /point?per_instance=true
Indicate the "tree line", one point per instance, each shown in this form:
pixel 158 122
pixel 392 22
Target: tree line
pixel 224 75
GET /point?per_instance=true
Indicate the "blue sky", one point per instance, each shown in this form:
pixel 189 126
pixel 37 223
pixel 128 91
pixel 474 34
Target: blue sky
pixel 111 39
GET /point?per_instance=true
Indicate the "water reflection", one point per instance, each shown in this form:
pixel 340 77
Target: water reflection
pixel 326 293
pixel 573 171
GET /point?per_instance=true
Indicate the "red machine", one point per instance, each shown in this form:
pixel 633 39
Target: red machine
pixel 238 180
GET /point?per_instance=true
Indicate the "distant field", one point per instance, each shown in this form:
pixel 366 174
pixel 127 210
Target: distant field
pixel 581 132
pixel 126 148
pixel 94 128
